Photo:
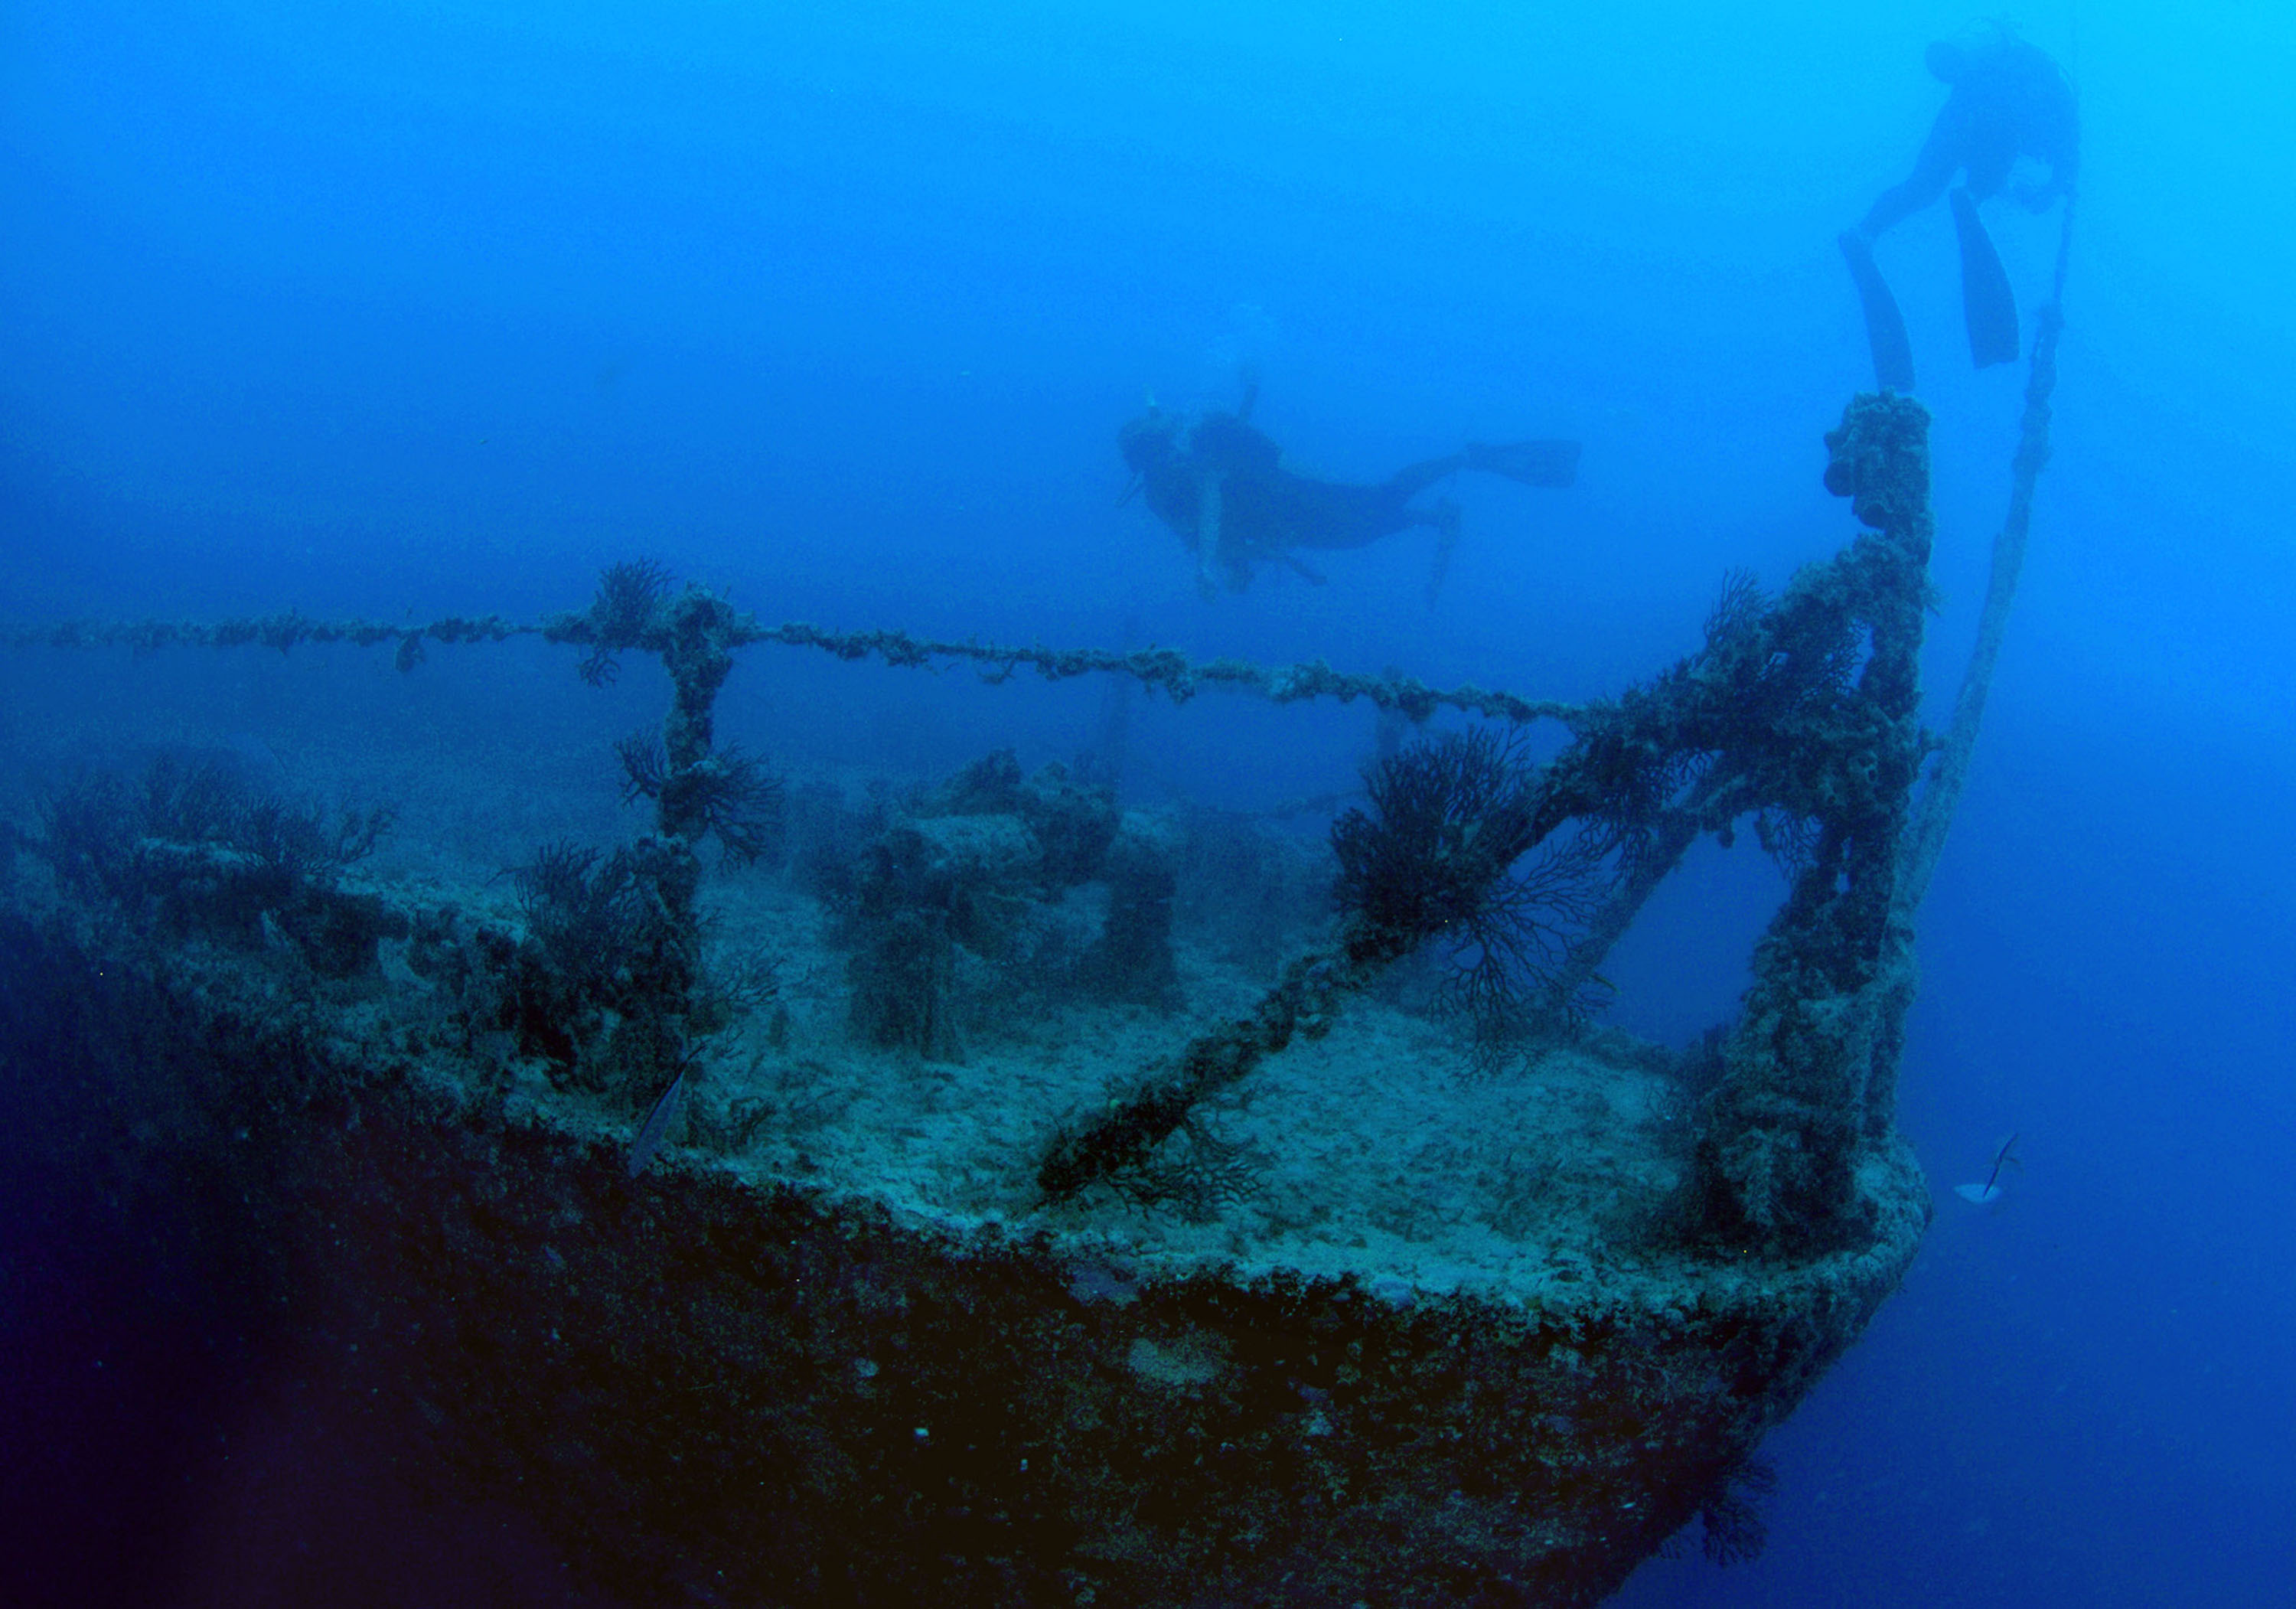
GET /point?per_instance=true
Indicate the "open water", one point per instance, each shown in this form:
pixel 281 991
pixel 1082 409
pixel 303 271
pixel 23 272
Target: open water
pixel 403 309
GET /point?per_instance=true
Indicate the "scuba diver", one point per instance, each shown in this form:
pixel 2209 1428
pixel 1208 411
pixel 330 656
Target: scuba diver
pixel 1220 485
pixel 2010 100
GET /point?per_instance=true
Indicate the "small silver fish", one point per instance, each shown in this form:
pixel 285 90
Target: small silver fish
pixel 1992 1189
pixel 657 1124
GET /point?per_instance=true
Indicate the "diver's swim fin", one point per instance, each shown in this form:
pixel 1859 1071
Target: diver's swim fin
pixel 1885 326
pixel 1531 462
pixel 1987 305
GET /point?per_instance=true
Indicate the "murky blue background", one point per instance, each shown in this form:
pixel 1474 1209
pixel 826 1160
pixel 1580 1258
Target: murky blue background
pixel 382 308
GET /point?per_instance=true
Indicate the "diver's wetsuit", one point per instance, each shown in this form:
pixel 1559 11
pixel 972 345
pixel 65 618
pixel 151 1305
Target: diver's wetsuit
pixel 2009 100
pixel 1221 486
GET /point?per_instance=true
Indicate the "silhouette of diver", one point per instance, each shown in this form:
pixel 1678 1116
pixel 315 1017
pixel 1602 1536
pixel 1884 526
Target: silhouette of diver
pixel 2009 100
pixel 1220 485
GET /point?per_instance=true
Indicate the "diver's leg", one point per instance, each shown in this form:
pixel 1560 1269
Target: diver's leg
pixel 1990 162
pixel 1896 205
pixel 1548 464
pixel 1329 514
pixel 1413 479
pixel 1885 326
pixel 1941 157
pixel 1901 201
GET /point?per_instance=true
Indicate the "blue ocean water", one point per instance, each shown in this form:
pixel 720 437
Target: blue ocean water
pixel 420 309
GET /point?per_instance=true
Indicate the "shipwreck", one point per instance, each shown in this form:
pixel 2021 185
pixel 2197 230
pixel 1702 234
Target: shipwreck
pixel 1009 1197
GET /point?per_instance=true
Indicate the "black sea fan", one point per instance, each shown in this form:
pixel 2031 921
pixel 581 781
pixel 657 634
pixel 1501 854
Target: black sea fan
pixel 1448 818
pixel 734 795
pixel 730 793
pixel 645 766
pixel 588 911
pixel 1517 944
pixel 630 594
pixel 1737 612
pixel 1732 1514
pixel 1454 851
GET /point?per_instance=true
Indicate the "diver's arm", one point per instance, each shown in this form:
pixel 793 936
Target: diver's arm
pixel 2064 166
pixel 2051 132
pixel 2041 197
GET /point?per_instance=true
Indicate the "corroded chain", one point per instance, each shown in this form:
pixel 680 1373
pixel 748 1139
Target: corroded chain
pixel 1176 673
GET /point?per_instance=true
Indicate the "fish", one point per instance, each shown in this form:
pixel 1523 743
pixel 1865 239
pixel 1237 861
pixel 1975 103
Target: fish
pixel 657 1124
pixel 1991 1191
